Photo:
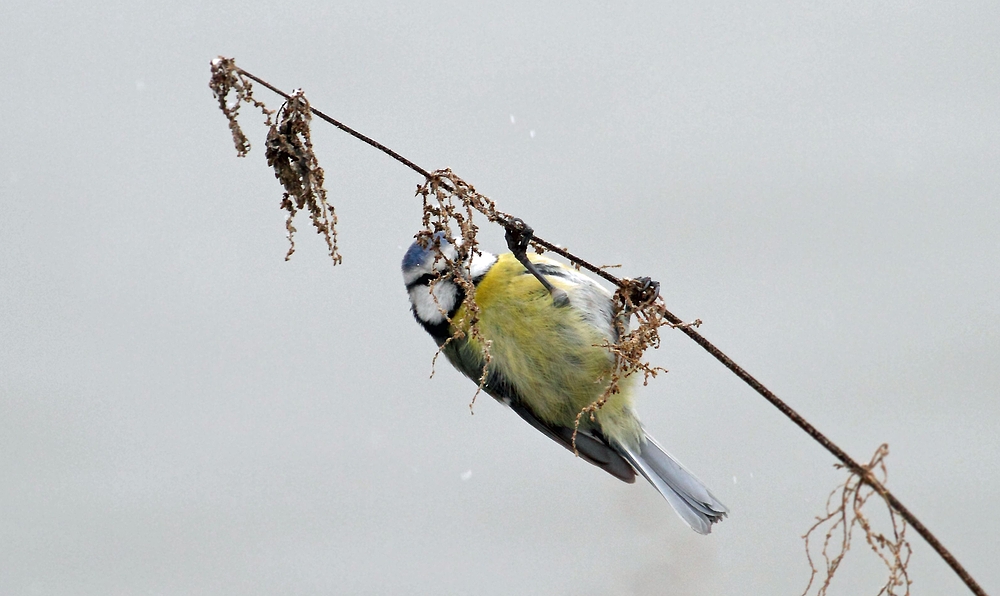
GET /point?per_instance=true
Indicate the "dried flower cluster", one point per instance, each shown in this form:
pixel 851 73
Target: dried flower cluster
pixel 639 298
pixel 844 513
pixel 450 202
pixel 228 79
pixel 289 150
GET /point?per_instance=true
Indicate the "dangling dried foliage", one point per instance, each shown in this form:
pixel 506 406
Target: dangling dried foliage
pixel 639 298
pixel 226 79
pixel 845 512
pixel 289 150
pixel 450 202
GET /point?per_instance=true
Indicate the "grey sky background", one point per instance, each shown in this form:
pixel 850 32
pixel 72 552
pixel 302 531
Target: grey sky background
pixel 182 412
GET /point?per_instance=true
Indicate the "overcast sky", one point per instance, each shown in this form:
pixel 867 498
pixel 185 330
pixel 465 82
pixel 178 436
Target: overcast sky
pixel 183 412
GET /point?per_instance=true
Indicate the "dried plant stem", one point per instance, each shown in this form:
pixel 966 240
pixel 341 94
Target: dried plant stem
pixel 342 126
pixel 837 452
pixel 864 474
pixel 845 513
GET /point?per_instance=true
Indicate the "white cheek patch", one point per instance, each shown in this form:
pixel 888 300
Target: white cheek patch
pixel 429 310
pixel 481 264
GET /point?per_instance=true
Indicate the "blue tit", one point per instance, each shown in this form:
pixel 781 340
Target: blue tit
pixel 547 362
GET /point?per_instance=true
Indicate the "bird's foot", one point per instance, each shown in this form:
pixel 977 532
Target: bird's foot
pixel 518 237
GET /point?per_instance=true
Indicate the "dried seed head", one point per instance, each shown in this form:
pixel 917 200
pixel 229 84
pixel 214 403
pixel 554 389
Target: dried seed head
pixel 290 153
pixel 289 150
pixel 844 513
pixel 228 79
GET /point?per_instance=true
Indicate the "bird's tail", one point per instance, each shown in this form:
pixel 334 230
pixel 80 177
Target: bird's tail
pixel 685 493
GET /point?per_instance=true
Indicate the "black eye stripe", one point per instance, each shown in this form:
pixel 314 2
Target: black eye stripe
pixel 423 280
pixel 427 278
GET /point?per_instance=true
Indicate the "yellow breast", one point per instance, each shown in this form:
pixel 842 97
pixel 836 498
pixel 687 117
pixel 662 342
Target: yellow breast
pixel 551 355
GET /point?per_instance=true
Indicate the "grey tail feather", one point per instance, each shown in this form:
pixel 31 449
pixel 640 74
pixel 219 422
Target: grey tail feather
pixel 685 493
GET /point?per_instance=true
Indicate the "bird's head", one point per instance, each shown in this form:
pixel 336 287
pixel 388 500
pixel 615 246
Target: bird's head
pixel 427 258
pixel 434 294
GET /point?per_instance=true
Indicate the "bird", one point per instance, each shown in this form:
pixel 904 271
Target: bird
pixel 547 325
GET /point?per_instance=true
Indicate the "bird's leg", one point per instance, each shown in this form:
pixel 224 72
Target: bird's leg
pixel 637 293
pixel 518 237
pixel 648 290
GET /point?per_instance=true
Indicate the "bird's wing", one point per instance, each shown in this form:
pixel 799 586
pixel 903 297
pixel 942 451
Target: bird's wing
pixel 591 448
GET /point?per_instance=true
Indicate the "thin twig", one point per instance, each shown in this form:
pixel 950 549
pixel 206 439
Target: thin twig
pixel 343 127
pixel 844 514
pixel 862 473
pixel 830 446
